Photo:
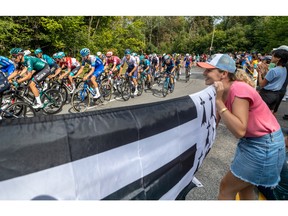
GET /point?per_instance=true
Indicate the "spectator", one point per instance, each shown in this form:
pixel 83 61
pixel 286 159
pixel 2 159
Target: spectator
pixel 274 80
pixel 260 152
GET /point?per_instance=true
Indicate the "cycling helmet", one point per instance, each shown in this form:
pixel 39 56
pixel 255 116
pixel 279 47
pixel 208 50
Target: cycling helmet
pixel 154 55
pixel 127 52
pixel 187 54
pixel 16 51
pixel 55 56
pixel 99 53
pixel 166 57
pixel 84 52
pixel 27 52
pixel 37 51
pixel 142 57
pixel 60 55
pixel 108 54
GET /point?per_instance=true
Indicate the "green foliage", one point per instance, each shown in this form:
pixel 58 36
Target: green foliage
pixel 160 34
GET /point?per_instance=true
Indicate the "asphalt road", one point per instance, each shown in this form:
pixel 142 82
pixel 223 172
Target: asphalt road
pixel 217 162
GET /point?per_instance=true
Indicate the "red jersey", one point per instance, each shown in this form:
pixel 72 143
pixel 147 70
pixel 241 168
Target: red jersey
pixel 69 63
pixel 113 60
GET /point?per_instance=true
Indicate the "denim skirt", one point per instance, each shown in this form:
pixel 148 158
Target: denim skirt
pixel 259 160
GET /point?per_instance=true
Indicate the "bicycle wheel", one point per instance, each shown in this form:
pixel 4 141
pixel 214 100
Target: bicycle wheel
pixel 126 91
pixel 140 87
pixel 80 100
pixel 62 89
pixel 187 73
pixel 106 91
pixel 18 110
pixel 52 100
pixel 165 87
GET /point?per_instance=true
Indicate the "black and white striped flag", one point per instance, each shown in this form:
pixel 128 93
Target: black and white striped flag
pixel 142 152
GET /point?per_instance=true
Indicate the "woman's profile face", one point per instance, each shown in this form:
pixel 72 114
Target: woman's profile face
pixel 211 75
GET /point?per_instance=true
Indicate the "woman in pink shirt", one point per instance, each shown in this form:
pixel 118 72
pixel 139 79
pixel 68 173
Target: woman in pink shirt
pixel 260 151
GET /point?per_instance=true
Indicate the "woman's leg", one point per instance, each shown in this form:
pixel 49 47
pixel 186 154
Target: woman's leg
pixel 230 185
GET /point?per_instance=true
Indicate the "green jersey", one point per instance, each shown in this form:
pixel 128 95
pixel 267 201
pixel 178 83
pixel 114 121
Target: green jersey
pixel 33 63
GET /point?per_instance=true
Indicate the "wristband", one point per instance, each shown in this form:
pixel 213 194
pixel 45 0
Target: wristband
pixel 223 110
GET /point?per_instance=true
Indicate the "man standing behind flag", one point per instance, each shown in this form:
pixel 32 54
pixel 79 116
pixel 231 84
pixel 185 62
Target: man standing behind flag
pixel 260 152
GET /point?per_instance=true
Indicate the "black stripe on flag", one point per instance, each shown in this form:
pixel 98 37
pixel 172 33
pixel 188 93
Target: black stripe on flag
pixel 34 144
pixel 159 182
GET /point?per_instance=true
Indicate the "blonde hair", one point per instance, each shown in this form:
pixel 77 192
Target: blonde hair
pixel 241 75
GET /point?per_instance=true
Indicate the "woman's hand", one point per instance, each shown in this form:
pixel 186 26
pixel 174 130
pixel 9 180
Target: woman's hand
pixel 219 90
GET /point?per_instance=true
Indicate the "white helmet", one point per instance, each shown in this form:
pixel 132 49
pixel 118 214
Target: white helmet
pixel 99 53
pixel 27 52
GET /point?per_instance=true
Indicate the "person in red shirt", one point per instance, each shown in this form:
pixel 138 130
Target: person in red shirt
pixel 112 60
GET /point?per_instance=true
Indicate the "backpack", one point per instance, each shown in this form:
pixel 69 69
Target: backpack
pixel 4 84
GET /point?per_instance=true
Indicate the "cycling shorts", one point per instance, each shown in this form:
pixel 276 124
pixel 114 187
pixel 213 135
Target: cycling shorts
pixel 41 75
pixel 74 71
pixel 98 71
pixel 134 75
pixel 53 67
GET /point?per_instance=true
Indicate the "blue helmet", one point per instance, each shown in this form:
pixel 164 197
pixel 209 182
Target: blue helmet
pixel 127 52
pixel 16 51
pixel 37 51
pixel 84 52
pixel 60 55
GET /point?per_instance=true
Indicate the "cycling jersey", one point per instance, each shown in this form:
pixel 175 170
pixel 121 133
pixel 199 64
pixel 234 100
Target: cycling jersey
pixel 155 61
pixel 48 59
pixel 113 60
pixel 33 63
pixel 69 62
pixel 131 64
pixel 95 62
pixel 145 65
pixel 6 65
pixel 187 60
pixel 169 66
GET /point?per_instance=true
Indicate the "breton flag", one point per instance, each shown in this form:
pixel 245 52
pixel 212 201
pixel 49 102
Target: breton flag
pixel 142 152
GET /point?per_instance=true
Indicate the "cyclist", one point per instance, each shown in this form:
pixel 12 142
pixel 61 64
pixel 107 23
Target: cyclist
pixel 132 69
pixel 170 68
pixel 102 57
pixel 178 63
pixel 188 64
pixel 71 65
pixel 54 67
pixel 145 66
pixel 154 63
pixel 115 60
pixel 97 68
pixel 6 66
pixel 34 69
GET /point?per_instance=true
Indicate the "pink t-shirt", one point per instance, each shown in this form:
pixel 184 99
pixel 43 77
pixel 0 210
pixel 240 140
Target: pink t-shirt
pixel 261 120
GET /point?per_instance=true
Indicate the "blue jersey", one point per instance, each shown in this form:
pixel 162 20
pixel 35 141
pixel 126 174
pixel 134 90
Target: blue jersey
pixel 6 65
pixel 94 61
pixel 5 62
